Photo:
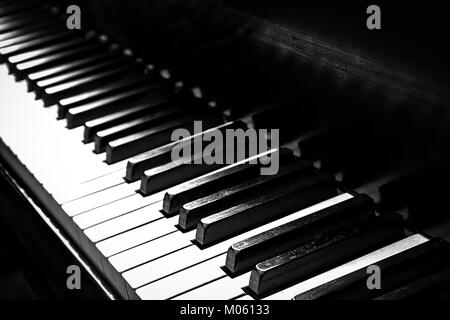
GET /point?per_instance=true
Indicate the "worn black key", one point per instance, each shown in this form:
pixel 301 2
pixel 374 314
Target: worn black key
pixel 52 95
pixel 153 92
pixel 323 254
pixel 243 255
pixel 136 166
pixel 92 127
pixel 75 71
pixel 54 59
pixel 138 124
pixel 199 187
pixel 396 271
pixel 134 144
pixel 295 195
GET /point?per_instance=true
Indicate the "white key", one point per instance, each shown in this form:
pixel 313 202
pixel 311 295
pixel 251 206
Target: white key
pixel 350 267
pixel 150 250
pixel 123 223
pixel 99 199
pixel 222 289
pixel 246 297
pixel 183 281
pixel 113 210
pixel 138 236
pixel 184 258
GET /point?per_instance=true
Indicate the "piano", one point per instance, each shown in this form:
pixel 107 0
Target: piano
pixel 85 149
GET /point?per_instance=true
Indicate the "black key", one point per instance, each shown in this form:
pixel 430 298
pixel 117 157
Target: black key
pixel 54 59
pixel 242 191
pixel 323 254
pixel 69 67
pixel 33 46
pixel 154 93
pixel 92 127
pixel 175 172
pixel 295 195
pixel 162 155
pixel 201 186
pixel 25 56
pixel 74 70
pixel 138 124
pixel 17 38
pixel 396 271
pixel 52 95
pixel 134 144
pixel 98 93
pixel 243 255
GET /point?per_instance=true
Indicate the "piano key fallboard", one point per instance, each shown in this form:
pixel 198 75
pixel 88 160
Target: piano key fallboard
pixel 89 124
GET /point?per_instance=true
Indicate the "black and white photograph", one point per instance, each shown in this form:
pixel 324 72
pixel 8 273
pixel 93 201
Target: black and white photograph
pixel 225 154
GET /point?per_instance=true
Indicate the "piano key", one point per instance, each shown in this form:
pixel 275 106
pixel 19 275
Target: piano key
pixel 118 225
pixel 148 120
pixel 53 59
pixel 34 26
pixel 110 211
pixel 325 253
pixel 426 258
pixel 38 14
pixel 139 164
pixel 16 37
pixel 91 128
pixel 130 239
pixel 59 72
pixel 26 56
pixel 217 180
pixel 16 23
pixel 145 272
pixel 222 289
pixel 156 93
pixel 364 261
pixel 134 144
pixel 191 213
pixel 34 46
pixel 183 281
pixel 89 96
pixel 283 201
pixel 74 71
pixel 173 173
pixel 99 199
pixel 242 256
pixel 52 94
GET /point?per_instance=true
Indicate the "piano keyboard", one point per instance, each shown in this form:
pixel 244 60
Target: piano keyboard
pixel 92 123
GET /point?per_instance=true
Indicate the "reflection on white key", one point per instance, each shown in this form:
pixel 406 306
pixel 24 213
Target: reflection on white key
pixel 123 223
pixel 184 281
pixel 137 236
pixel 184 258
pixel 222 289
pixel 101 198
pixel 350 267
